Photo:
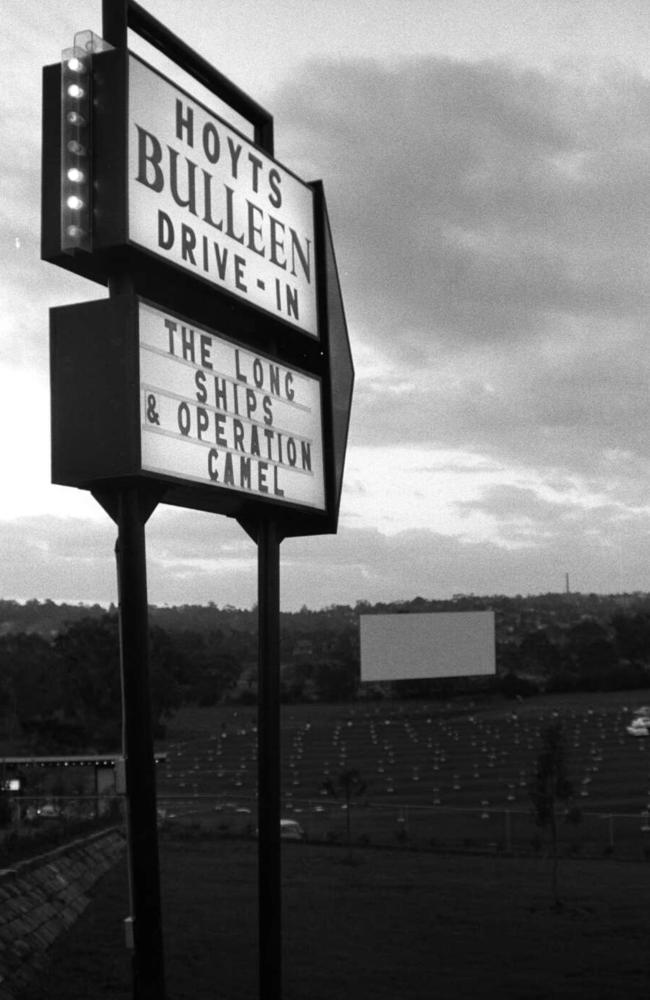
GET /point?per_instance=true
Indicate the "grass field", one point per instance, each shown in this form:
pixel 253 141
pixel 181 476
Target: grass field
pixel 384 925
pixel 452 774
pixel 388 924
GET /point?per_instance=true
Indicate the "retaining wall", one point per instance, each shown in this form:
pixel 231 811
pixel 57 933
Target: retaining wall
pixel 42 897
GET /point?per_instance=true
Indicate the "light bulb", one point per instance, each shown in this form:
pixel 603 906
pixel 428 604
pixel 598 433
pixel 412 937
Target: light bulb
pixel 75 118
pixel 75 202
pixel 76 175
pixel 74 90
pixel 75 65
pixel 77 148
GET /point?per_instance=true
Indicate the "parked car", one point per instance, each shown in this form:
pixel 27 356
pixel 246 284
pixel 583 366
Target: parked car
pixel 290 829
pixel 48 811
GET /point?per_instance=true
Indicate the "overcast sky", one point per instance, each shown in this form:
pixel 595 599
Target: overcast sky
pixel 487 170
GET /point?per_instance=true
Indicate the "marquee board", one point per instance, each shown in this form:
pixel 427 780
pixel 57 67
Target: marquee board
pixel 138 391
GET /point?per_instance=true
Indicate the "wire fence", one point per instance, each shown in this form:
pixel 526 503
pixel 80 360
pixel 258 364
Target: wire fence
pixel 372 823
pixel 366 823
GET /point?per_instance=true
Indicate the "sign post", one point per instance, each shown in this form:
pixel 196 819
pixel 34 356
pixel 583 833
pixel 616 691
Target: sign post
pixel 269 757
pixel 130 507
pixel 217 375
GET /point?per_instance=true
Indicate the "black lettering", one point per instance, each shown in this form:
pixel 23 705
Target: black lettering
pixel 202 422
pixel 207 201
pixel 240 264
pixel 184 123
pixel 292 302
pixel 165 231
pixel 230 216
pixel 199 382
pixel 205 343
pixel 188 243
pixel 267 406
pixel 171 329
pixel 288 386
pixel 187 343
pixel 276 226
pixel 213 456
pixel 251 402
pixel 262 469
pixel 219 427
pixel 274 183
pixel 235 153
pixel 149 154
pixel 228 476
pixel 305 455
pixel 255 442
pixel 256 163
pixel 254 230
pixel 238 372
pixel 220 393
pixel 292 453
pixel 222 260
pixel 258 373
pixel 238 435
pixel 303 256
pixel 276 488
pixel 211 143
pixel 190 201
pixel 184 419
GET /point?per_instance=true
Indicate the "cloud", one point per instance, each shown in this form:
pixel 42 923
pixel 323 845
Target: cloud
pixel 473 199
pixel 197 559
pixel 491 231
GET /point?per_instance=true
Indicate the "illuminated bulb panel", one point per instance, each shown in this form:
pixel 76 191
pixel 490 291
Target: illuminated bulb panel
pixel 76 141
pixel 76 207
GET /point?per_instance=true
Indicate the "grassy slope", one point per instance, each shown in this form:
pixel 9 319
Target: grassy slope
pixel 391 926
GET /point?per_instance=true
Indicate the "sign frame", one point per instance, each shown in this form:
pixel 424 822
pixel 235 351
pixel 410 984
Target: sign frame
pixel 96 417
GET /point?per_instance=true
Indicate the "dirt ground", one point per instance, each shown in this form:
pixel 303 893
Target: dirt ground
pixel 380 925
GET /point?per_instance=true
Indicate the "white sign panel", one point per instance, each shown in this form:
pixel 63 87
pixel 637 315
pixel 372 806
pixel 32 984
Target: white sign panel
pixel 414 646
pixel 205 198
pixel 216 413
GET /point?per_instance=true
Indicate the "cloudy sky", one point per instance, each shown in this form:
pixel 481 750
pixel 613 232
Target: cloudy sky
pixel 487 170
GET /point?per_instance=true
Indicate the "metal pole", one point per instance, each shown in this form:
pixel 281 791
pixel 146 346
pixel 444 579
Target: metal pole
pixel 268 749
pixel 148 963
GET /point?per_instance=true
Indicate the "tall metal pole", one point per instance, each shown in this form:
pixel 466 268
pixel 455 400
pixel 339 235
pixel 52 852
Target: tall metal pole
pixel 268 749
pixel 148 957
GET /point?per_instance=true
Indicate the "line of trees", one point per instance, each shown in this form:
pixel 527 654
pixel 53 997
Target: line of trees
pixel 63 685
pixel 66 692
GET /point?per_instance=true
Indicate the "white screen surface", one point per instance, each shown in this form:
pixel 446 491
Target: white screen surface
pixel 415 646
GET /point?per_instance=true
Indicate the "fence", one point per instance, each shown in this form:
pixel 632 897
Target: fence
pixel 436 827
pixel 370 822
pixel 32 824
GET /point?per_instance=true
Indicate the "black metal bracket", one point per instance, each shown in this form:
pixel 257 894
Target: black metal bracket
pixel 120 15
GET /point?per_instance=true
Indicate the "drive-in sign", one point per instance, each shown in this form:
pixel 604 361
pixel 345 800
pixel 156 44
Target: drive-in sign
pixel 205 198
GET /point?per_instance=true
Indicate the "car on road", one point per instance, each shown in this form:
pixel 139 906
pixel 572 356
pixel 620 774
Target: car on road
pixel 48 811
pixel 290 829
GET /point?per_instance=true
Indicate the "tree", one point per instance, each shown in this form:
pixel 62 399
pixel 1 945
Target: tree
pixel 551 785
pixel 350 783
pixel 88 655
pixel 335 681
